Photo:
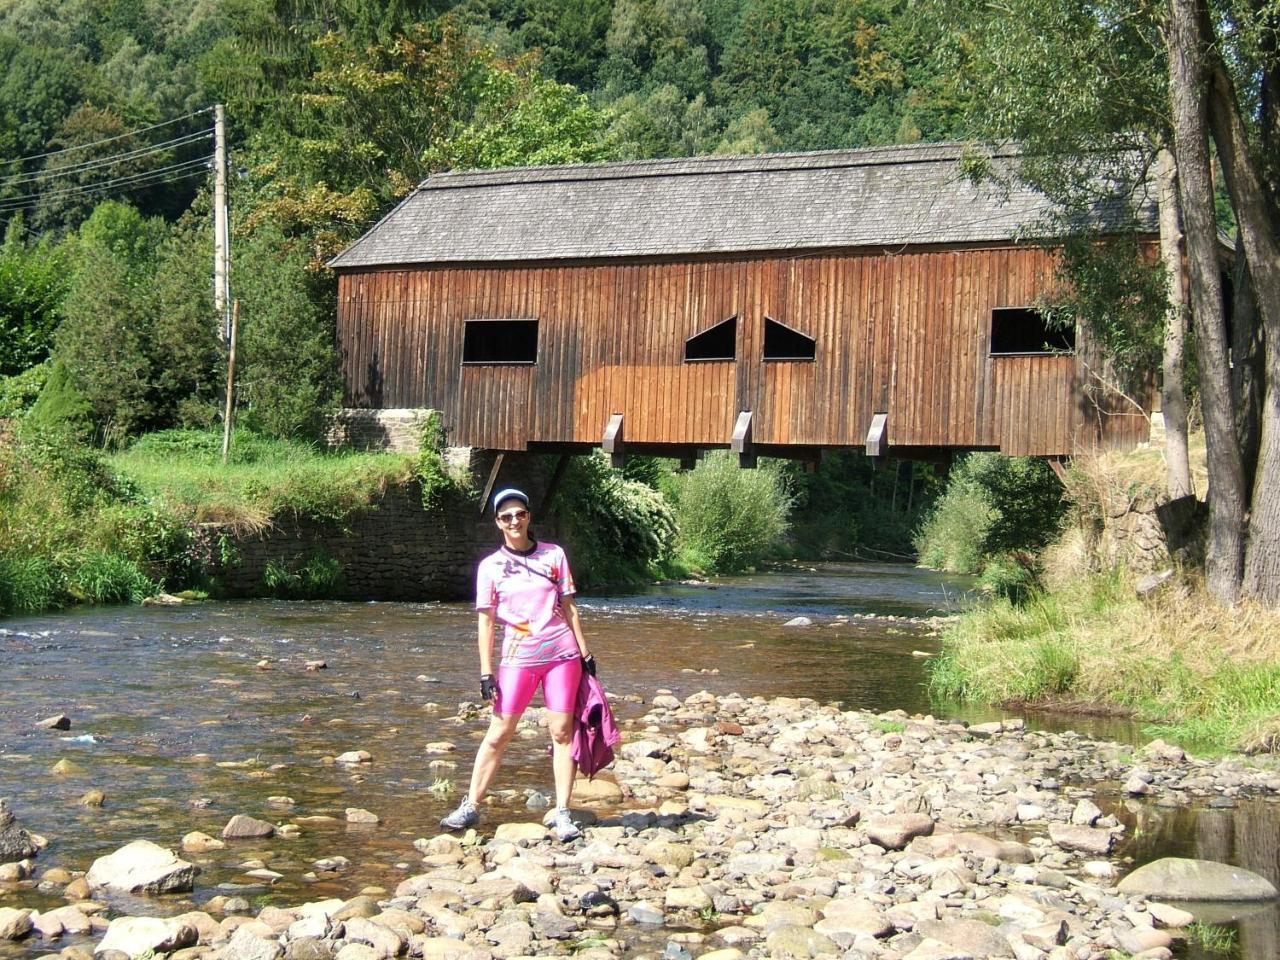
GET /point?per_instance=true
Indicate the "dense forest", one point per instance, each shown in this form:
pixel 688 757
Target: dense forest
pixel 336 108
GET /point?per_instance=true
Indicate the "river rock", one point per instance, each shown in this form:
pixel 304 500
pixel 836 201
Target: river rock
pixel 197 842
pixel 850 917
pixel 385 941
pixel 974 937
pixel 1141 939
pixel 896 831
pixel 799 622
pixel 360 815
pixel 520 833
pixel 354 756
pixel 793 940
pixel 1081 839
pixel 243 827
pixel 134 936
pixel 687 898
pixel 1086 813
pixel 92 798
pixel 307 948
pixel 645 912
pixel 142 867
pixel 15 842
pixel 13 872
pixel 1179 878
pixel 59 721
pixel 245 944
pixel 1169 916
pixel 70 919
pixel 14 924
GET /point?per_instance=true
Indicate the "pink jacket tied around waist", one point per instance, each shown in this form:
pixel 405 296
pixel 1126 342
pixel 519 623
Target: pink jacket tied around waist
pixel 595 734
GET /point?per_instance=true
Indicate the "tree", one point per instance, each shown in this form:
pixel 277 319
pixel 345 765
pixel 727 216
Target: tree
pixel 1091 84
pixel 288 382
pixel 32 285
pixel 1081 87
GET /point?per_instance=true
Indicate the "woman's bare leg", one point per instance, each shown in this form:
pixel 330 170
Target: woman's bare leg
pixel 562 765
pixel 489 757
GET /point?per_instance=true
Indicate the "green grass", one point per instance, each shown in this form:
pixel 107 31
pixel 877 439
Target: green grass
pixel 1212 937
pixel 183 469
pixel 1197 673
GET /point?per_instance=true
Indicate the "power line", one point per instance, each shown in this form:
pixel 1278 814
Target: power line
pixel 20 178
pixel 159 175
pixel 121 136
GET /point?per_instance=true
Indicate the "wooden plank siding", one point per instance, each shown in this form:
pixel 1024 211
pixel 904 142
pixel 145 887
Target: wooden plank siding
pixel 904 332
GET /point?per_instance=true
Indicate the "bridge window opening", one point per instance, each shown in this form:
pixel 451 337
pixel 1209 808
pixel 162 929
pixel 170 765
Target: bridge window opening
pixel 1026 330
pixel 783 343
pixel 718 343
pixel 500 341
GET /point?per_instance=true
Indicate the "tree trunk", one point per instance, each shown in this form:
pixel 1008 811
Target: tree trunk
pixel 1225 559
pixel 1261 243
pixel 1248 376
pixel 1173 399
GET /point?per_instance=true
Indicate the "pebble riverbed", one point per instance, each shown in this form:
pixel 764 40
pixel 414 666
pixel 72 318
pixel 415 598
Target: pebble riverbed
pixel 728 827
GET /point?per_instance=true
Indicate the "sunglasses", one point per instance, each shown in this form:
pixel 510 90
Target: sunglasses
pixel 513 516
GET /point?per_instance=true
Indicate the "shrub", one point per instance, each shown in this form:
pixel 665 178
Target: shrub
pixel 19 392
pixel 313 578
pixel 992 505
pixel 729 518
pixel 618 530
pixel 60 407
pixel 99 576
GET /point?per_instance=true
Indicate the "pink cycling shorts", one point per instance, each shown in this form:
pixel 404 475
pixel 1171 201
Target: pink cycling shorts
pixel 559 680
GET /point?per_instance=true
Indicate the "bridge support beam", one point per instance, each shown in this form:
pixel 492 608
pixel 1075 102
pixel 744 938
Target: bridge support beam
pixel 741 442
pixel 613 443
pixel 491 482
pixel 878 436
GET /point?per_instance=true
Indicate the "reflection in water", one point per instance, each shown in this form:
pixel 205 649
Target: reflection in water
pixel 1247 835
pixel 187 730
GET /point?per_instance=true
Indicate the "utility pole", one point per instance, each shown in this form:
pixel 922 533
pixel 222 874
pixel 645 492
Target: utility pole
pixel 230 410
pixel 221 233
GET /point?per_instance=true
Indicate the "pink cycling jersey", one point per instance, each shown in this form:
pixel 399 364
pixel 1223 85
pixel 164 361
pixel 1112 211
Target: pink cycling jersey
pixel 524 592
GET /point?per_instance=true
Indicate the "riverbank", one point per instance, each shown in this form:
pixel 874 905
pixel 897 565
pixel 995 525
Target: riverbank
pixel 1201 674
pixel 734 827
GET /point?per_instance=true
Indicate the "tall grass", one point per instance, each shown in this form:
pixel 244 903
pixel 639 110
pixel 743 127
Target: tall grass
pixel 1197 672
pixel 183 470
pixel 72 532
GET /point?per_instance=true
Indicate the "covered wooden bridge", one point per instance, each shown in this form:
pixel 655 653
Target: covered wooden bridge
pixel 775 304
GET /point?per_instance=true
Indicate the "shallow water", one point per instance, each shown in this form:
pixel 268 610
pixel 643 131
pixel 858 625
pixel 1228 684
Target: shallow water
pixel 187 730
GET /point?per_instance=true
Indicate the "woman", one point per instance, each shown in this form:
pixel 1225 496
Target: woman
pixel 528 587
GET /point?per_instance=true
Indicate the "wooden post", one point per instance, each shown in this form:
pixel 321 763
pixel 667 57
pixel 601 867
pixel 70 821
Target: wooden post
pixel 231 381
pixel 221 232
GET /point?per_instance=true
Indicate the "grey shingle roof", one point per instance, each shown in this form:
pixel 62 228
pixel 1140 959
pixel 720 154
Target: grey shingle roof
pixel 702 205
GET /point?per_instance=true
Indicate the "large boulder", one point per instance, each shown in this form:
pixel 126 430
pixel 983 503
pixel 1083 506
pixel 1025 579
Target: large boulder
pixel 142 867
pixel 135 936
pixel 1179 878
pixel 15 843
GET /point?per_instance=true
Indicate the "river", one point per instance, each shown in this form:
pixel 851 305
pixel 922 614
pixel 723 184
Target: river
pixel 184 716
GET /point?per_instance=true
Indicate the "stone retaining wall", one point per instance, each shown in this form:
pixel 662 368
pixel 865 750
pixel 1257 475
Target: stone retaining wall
pixel 393 551
pixel 398 431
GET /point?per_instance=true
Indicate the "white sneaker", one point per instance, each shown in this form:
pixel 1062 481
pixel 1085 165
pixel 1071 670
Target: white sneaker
pixel 465 816
pixel 564 826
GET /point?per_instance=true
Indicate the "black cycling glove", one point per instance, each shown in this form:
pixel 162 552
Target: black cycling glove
pixel 488 687
pixel 589 664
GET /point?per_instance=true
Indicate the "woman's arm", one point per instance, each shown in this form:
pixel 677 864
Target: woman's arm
pixel 484 641
pixel 575 623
